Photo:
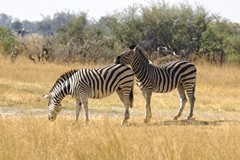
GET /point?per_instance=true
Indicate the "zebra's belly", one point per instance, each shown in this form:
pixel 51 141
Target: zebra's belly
pixel 157 88
pixel 162 90
pixel 98 94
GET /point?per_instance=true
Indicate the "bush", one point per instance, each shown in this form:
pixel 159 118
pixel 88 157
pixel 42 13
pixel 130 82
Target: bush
pixel 233 58
pixel 6 40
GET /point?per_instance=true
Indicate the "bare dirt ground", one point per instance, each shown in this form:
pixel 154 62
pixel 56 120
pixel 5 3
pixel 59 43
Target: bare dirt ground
pixel 165 116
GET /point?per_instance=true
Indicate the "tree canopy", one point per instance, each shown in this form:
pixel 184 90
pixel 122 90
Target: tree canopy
pixel 178 27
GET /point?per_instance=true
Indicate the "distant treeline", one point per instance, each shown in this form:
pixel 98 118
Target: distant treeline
pixel 179 28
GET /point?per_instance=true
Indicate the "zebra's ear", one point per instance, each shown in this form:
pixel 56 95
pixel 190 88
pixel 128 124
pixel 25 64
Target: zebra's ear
pixel 137 48
pixel 132 46
pixel 46 96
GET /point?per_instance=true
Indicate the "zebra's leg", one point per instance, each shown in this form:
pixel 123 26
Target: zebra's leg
pixel 191 97
pixel 126 104
pixel 78 109
pixel 148 115
pixel 85 104
pixel 183 100
pixel 126 115
pixel 120 94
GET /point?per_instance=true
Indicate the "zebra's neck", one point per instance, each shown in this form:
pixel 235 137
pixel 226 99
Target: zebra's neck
pixel 140 65
pixel 62 86
pixel 61 90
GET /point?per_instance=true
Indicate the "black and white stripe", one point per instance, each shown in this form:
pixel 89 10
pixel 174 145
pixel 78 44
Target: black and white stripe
pixel 161 79
pixel 93 83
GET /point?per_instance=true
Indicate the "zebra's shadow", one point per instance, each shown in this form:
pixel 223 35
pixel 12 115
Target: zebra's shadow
pixel 194 122
pixel 191 122
pixel 188 122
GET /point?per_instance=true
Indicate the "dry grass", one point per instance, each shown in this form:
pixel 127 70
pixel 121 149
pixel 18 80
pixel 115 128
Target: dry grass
pixel 34 137
pixel 218 88
pixel 23 84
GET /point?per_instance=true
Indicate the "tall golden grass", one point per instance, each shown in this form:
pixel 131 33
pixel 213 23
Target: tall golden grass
pixel 23 83
pixel 34 137
pixel 37 138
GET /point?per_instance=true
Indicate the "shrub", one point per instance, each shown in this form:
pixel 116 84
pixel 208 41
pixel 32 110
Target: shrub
pixel 6 40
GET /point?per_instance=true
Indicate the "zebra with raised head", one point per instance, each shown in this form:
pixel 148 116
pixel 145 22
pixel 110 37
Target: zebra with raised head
pixel 93 83
pixel 161 79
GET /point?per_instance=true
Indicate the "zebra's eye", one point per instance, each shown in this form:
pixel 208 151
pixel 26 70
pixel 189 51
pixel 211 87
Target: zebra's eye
pixel 49 103
pixel 129 55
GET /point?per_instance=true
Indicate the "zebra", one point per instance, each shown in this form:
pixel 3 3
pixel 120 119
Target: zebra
pixel 161 79
pixel 93 83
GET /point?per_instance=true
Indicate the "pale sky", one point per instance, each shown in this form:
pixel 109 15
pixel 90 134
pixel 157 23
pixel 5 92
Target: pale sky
pixel 34 10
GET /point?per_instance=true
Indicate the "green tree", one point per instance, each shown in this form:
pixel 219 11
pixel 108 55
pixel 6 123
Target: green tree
pixel 45 26
pixel 16 26
pixel 6 40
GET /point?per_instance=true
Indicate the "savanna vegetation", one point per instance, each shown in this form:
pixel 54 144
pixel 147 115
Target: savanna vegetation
pixel 31 63
pixel 68 37
pixel 213 135
pixel 36 138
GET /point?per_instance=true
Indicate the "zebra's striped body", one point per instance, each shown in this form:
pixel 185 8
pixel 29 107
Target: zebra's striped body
pixel 166 78
pixel 92 83
pixel 161 79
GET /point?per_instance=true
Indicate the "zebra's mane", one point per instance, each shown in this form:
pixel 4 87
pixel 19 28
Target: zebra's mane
pixel 144 54
pixel 63 78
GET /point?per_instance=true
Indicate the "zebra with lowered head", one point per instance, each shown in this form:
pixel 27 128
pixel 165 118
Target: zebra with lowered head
pixel 161 79
pixel 93 83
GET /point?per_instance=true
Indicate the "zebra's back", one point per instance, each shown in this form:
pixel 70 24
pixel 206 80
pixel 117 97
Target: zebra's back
pixel 169 76
pixel 101 82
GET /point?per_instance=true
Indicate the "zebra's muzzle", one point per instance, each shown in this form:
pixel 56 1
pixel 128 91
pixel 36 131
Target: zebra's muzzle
pixel 51 117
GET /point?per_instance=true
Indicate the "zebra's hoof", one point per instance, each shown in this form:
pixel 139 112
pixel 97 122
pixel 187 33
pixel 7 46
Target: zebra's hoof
pixel 146 120
pixel 124 122
pixel 74 123
pixel 191 118
pixel 86 122
pixel 175 118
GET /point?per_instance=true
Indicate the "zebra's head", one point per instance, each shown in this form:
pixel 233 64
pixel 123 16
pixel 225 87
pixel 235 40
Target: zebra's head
pixel 126 57
pixel 54 107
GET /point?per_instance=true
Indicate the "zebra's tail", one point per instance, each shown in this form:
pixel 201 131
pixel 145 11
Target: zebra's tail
pixel 131 97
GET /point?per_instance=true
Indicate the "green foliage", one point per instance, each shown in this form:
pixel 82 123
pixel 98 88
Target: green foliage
pixel 74 30
pixel 81 40
pixel 45 26
pixel 179 27
pixel 160 24
pixel 6 40
pixel 129 26
pixel 16 25
pixel 233 57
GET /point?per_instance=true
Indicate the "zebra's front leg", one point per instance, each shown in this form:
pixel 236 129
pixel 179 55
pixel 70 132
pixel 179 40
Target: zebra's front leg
pixel 148 115
pixel 78 109
pixel 85 103
pixel 126 116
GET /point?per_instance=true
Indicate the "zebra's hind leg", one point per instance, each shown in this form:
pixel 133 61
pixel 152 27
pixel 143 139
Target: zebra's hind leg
pixel 183 100
pixel 191 97
pixel 78 109
pixel 126 103
pixel 85 104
